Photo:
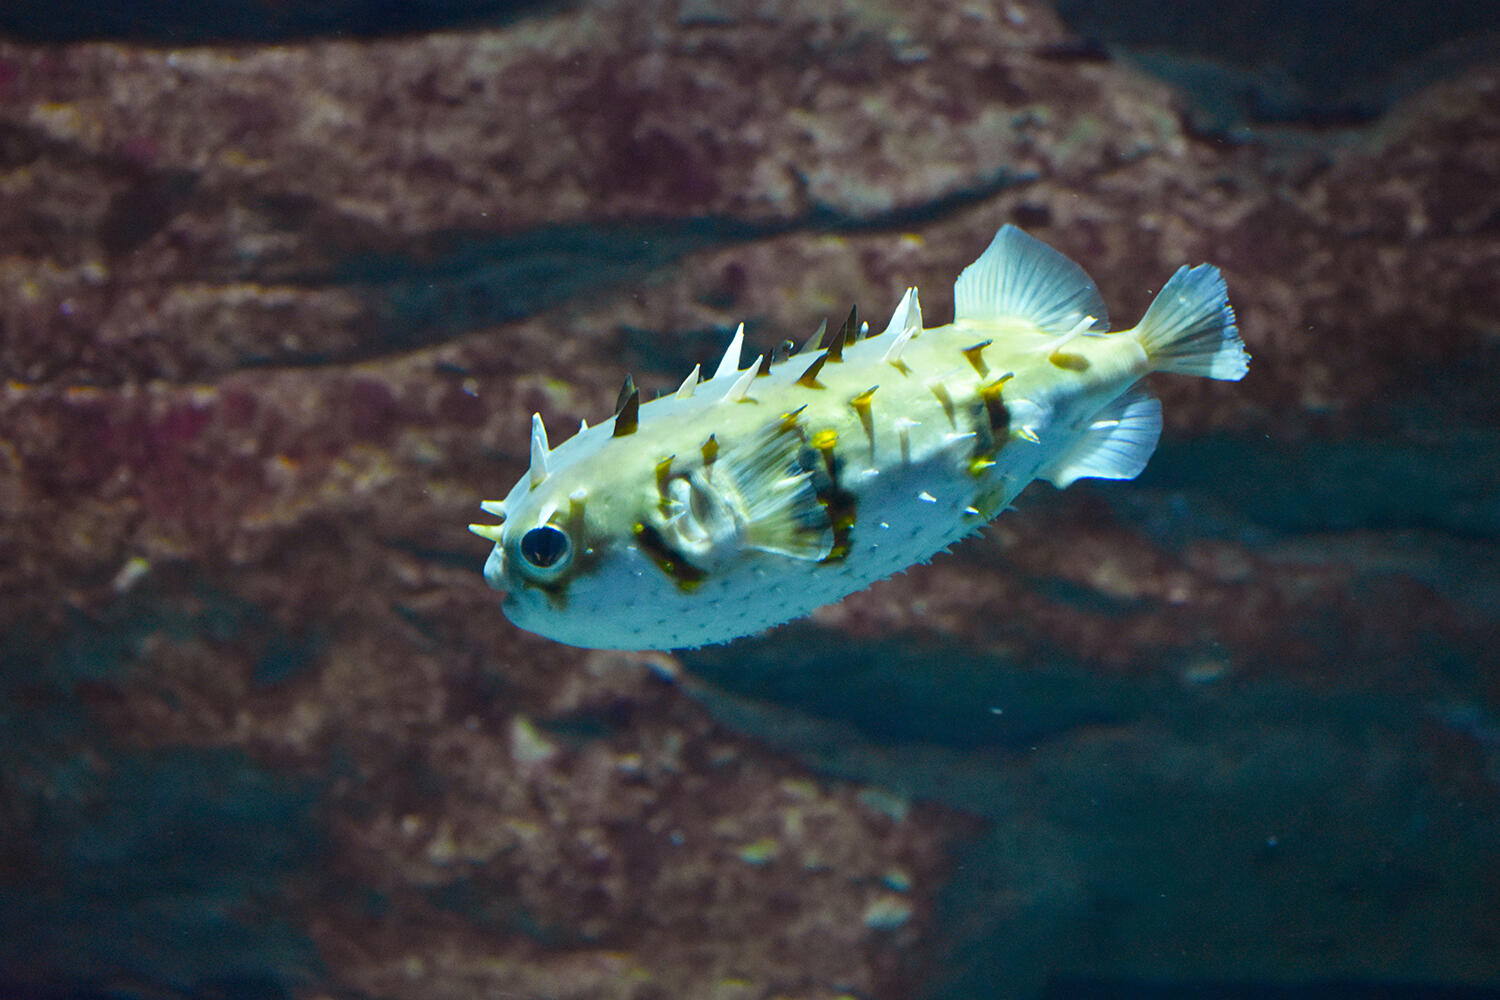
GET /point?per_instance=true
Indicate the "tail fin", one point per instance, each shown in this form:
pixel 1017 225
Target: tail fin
pixel 1190 329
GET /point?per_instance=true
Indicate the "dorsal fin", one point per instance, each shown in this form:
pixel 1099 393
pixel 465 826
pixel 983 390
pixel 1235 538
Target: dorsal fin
pixel 1019 275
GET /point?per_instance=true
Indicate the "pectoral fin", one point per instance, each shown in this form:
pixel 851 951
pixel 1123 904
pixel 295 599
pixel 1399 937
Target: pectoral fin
pixel 754 496
pixel 778 498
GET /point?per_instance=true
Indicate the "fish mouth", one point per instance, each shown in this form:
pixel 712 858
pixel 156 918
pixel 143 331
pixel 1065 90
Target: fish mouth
pixel 494 572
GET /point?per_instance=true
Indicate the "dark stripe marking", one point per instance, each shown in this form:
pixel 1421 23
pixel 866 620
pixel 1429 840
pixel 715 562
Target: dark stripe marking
pixel 840 504
pixel 669 561
pixel 994 405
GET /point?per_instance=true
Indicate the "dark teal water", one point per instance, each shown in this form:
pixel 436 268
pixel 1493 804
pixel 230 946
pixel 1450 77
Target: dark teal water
pixel 132 874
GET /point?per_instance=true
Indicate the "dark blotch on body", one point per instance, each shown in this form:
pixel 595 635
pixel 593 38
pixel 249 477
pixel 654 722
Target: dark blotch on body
pixel 668 560
pixel 820 458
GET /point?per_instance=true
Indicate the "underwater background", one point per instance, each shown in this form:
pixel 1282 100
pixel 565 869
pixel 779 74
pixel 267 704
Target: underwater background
pixel 281 285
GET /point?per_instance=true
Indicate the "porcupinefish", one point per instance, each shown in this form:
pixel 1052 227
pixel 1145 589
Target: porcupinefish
pixel 755 496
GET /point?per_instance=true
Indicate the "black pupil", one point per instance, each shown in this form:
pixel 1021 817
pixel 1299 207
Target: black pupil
pixel 543 546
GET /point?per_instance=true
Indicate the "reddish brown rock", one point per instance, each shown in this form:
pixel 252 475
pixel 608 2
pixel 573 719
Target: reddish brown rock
pixel 273 321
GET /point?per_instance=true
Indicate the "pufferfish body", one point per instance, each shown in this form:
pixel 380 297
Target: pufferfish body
pixel 757 495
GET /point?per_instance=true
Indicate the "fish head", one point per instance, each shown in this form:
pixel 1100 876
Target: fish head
pixel 612 548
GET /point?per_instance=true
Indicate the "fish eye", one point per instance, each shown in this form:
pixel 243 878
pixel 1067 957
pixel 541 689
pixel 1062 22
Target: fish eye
pixel 545 551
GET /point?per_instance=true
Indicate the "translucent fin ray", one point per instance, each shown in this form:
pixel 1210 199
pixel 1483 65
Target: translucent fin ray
pixel 1020 276
pixel 1117 444
pixel 776 497
pixel 1189 328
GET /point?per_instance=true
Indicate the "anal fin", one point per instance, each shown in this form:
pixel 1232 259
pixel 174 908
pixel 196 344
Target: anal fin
pixel 1116 444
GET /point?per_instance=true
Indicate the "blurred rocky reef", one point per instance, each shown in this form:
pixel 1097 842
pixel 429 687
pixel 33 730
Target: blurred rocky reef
pixel 278 298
